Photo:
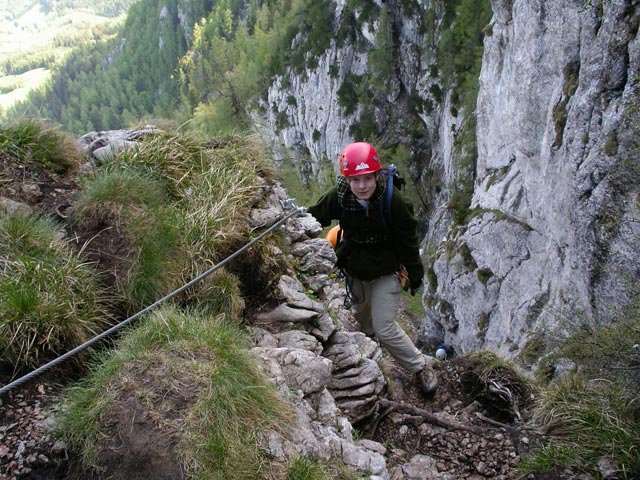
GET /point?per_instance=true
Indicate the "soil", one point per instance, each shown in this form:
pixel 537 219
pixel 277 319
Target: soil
pixel 40 188
pixel 473 426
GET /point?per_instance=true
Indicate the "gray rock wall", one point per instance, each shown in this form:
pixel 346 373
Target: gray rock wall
pixel 555 234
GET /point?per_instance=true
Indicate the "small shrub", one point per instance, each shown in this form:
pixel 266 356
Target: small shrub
pixel 484 274
pixel 432 279
pixel 483 326
pixel 459 203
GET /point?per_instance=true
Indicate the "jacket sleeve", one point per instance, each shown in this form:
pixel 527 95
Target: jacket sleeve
pixel 405 238
pixel 326 209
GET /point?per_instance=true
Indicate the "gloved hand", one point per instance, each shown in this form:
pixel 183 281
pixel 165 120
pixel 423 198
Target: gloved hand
pixel 415 286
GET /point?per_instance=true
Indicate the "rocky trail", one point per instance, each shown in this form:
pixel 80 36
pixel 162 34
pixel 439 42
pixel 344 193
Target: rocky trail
pixel 467 439
pixel 470 428
pixel 473 427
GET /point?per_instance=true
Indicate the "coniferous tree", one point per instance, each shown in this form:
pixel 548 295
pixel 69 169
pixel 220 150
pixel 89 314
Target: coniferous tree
pixel 381 60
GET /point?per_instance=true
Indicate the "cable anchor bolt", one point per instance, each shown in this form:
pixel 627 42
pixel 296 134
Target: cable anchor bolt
pixel 290 204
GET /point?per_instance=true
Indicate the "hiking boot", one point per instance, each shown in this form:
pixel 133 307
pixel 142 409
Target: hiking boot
pixel 427 380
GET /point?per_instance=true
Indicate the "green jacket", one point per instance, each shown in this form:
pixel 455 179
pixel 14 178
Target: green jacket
pixel 371 248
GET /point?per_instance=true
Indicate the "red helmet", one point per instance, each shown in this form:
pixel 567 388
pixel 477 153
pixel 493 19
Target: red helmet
pixel 359 158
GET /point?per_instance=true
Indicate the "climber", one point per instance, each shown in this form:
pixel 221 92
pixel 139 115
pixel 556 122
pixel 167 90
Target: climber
pixel 372 253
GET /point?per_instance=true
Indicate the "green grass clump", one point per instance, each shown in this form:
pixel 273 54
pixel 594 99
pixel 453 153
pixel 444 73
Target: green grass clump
pixel 174 157
pixel 212 187
pixel 218 292
pixel 49 298
pixel 174 206
pixel 34 140
pixel 593 414
pixel 588 420
pixel 548 459
pixel 134 205
pixel 203 359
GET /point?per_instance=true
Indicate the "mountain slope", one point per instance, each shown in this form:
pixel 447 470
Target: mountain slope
pixel 35 36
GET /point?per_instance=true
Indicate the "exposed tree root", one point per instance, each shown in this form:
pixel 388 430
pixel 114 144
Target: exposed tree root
pixel 426 416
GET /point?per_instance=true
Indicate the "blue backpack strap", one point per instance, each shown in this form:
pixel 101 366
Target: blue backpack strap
pixel 385 206
pixel 392 170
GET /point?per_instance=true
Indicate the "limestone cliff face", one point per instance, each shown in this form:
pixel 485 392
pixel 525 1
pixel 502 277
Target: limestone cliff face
pixel 314 122
pixel 552 233
pixel 302 116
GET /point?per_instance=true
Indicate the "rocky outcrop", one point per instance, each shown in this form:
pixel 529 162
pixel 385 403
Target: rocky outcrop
pixel 553 237
pixel 101 146
pixel 330 374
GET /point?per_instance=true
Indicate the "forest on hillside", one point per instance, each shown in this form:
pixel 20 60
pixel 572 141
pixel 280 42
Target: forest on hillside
pixel 13 9
pixel 36 37
pixel 212 67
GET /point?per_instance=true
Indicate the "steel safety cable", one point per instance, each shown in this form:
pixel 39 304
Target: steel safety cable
pixel 288 204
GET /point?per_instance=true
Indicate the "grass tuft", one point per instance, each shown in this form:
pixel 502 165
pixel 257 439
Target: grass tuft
pixel 49 300
pixel 181 205
pixel 593 414
pixel 134 205
pixel 588 420
pixel 34 140
pixel 303 468
pixel 204 360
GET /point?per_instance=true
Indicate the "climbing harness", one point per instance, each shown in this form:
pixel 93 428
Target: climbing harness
pixel 286 205
pixel 350 297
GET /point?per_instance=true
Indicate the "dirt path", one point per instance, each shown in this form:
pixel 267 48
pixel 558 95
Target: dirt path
pixel 27 449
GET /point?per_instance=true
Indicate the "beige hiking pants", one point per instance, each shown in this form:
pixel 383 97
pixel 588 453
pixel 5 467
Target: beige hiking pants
pixel 377 314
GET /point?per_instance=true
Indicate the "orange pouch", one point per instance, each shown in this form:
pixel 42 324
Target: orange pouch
pixel 403 278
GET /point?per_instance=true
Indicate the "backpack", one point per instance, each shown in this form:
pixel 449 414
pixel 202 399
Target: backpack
pixel 394 180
